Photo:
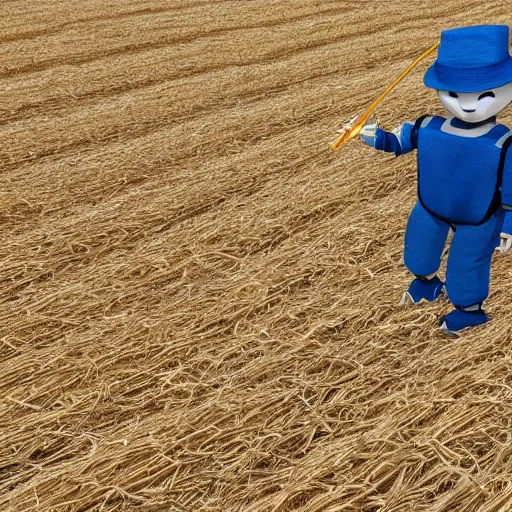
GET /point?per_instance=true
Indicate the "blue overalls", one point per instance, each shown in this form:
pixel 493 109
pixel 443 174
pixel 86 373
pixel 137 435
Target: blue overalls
pixel 459 185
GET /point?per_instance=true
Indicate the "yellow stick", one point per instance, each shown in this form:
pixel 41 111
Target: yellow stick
pixel 353 129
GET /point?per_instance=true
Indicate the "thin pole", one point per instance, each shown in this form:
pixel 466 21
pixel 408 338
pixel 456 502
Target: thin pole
pixel 354 128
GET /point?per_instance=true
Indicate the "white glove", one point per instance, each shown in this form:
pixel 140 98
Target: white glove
pixel 506 243
pixel 369 132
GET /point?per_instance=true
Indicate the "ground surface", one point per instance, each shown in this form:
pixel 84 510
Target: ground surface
pixel 198 297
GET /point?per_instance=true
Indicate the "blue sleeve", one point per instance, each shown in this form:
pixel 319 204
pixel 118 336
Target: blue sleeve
pixel 507 223
pixel 388 142
pixel 398 141
pixel 506 187
pixel 408 137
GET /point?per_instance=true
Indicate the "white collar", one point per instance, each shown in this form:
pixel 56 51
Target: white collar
pixel 467 132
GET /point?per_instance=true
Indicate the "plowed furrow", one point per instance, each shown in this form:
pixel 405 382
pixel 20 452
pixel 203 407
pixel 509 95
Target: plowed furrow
pixel 83 143
pixel 78 48
pixel 21 36
pixel 74 94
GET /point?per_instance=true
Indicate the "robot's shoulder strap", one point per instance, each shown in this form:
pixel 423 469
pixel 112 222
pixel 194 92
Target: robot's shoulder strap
pixel 504 143
pixel 505 167
pixel 423 122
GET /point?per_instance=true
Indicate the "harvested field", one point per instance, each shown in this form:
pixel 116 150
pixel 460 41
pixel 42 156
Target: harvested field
pixel 199 298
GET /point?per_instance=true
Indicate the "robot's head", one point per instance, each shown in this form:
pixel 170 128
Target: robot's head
pixel 474 107
pixel 473 71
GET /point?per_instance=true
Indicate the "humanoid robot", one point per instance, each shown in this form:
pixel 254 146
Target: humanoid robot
pixel 464 173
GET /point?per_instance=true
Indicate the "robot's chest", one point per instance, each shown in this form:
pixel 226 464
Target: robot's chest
pixel 458 159
pixel 458 177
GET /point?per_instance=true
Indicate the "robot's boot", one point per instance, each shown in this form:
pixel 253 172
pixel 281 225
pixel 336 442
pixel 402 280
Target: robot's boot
pixel 423 289
pixel 461 318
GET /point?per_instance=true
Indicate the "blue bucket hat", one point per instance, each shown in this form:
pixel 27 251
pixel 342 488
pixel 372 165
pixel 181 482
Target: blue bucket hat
pixel 471 59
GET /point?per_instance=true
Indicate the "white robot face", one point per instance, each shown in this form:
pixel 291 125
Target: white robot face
pixel 474 107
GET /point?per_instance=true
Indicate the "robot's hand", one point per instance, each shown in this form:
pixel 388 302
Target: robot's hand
pixel 348 126
pixel 369 133
pixel 506 243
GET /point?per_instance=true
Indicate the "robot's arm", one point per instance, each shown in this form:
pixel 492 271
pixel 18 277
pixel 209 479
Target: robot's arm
pixel 398 141
pixel 505 242
pixel 506 230
pixel 506 201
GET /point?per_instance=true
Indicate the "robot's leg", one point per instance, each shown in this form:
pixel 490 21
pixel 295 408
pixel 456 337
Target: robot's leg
pixel 425 237
pixel 468 273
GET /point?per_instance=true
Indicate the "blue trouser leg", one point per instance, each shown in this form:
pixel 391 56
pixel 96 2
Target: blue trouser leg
pixel 425 237
pixel 469 262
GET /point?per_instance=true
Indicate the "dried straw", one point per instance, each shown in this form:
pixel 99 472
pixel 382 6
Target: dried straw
pixel 199 298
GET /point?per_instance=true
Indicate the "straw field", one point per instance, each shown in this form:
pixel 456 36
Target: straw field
pixel 199 298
